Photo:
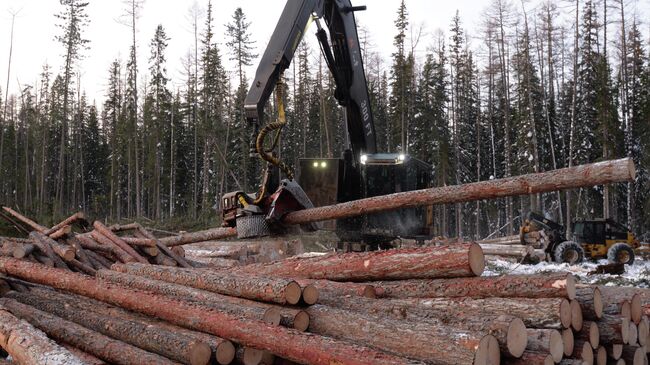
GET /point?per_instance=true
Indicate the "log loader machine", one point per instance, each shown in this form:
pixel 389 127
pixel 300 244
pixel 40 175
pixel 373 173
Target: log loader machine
pixel 360 173
pixel 590 238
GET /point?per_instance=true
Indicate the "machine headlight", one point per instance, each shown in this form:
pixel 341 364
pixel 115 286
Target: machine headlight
pixel 315 164
pixel 323 164
pixel 401 157
pixel 363 159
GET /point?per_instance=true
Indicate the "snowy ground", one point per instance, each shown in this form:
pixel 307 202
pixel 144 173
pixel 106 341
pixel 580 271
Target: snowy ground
pixel 637 275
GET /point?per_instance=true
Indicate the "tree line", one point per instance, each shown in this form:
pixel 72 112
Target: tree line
pixel 531 90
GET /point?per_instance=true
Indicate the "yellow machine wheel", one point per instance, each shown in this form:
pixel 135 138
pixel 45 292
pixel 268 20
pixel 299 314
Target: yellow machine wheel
pixel 621 253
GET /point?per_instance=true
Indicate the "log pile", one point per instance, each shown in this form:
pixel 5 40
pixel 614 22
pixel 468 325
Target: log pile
pixel 359 308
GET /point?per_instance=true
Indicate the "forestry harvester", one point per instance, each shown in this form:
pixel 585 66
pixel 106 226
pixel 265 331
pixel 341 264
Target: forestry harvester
pixel 593 239
pixel 360 173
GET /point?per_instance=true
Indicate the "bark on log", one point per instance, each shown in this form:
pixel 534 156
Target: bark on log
pixel 207 235
pixel 546 341
pixel 150 338
pixel 78 336
pixel 87 358
pixel 67 253
pixel 636 297
pixel 508 286
pixel 413 263
pixel 273 290
pixel 79 216
pixel 169 252
pixel 81 267
pixel 23 250
pixel 531 358
pixel 101 228
pixel 282 342
pixel 614 329
pixel 134 241
pixel 568 178
pixel 444 345
pixel 86 241
pixel 30 346
pixel 101 260
pixel 236 306
pixel 591 301
pixel 509 331
pixel 223 350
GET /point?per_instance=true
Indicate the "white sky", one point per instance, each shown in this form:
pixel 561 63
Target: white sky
pixel 36 27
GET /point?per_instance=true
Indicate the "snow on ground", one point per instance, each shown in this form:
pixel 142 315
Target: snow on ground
pixel 637 275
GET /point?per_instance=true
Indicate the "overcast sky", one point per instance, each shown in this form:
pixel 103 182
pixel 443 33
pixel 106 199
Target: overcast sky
pixel 35 30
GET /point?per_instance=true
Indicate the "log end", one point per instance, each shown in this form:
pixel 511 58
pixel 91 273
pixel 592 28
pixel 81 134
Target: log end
pixel 598 303
pixel 556 346
pixel 200 353
pixel 576 316
pixel 565 313
pixel 517 338
pixel 636 308
pixel 292 293
pixel 571 286
pixel 594 335
pixel 476 259
pixel 301 321
pixel 625 330
pixel 626 309
pixel 272 316
pixel 19 252
pixel 251 356
pixel 633 335
pixel 586 353
pixel 643 332
pixel 369 292
pixel 310 294
pixel 225 353
pixel 616 351
pixel 640 357
pixel 568 342
pixel 488 351
pixel 631 169
pixel 601 356
pixel 68 254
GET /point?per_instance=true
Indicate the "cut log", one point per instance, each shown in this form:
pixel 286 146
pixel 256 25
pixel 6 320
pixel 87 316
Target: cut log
pixel 552 313
pixel 236 306
pixel 67 253
pixel 43 244
pixel 145 242
pixel 591 301
pixel 413 263
pixel 615 351
pixel 644 329
pixel 30 223
pixel 335 289
pixel 60 233
pixel 86 241
pixel 531 358
pixel 614 329
pixel 115 250
pixel 101 228
pixel 633 335
pixel 445 345
pixel 180 259
pixel 89 341
pixel 590 332
pixel 207 235
pixel 636 297
pixel 568 178
pixel 600 356
pixel 582 350
pixel 507 286
pixel 569 341
pixel 22 251
pixel 273 290
pixel 150 338
pixel 576 316
pixel 546 341
pixel 87 358
pixel 79 216
pixel 285 343
pixel 507 250
pixel 223 350
pixel 28 345
pixel 248 356
pixel 509 331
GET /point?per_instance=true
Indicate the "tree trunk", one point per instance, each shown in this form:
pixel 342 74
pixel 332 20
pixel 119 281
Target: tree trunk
pixel 431 262
pixel 28 345
pixel 445 345
pixel 574 177
pixel 259 288
pixel 508 286
pixel 236 306
pixel 87 340
pixel 284 343
pixel 150 338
